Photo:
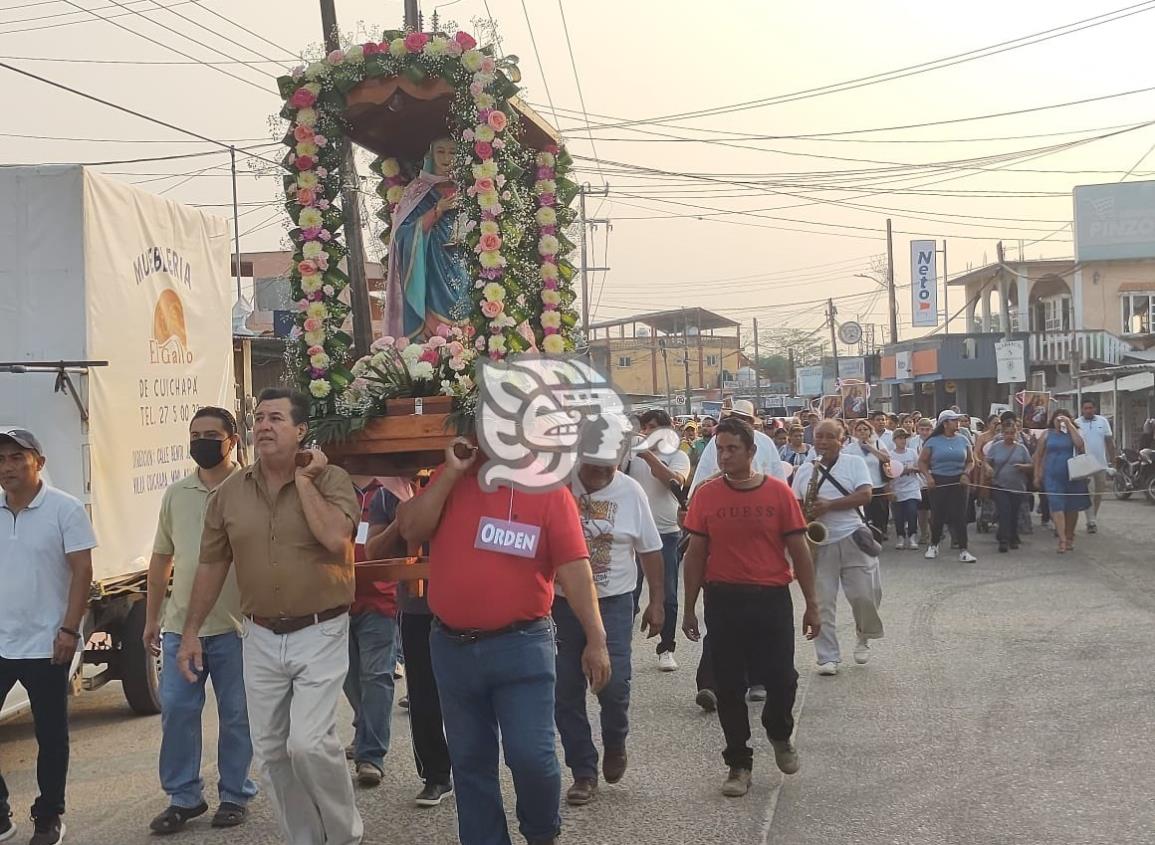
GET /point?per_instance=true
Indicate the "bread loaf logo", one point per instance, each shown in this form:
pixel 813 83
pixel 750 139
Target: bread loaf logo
pixel 169 341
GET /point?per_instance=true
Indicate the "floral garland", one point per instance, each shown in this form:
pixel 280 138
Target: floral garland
pixel 520 297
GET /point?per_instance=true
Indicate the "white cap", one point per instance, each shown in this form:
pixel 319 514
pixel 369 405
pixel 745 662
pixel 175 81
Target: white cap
pixel 950 415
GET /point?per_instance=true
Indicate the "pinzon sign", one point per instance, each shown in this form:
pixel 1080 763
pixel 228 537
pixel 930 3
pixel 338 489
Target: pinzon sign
pixel 1115 221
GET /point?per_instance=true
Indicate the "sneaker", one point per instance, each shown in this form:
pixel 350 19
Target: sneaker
pixel 7 828
pixel 785 755
pixel 827 668
pixel 737 783
pixel 707 700
pixel 582 792
pixel 900 544
pixel 369 774
pixel 1015 544
pixel 912 543
pixel 614 764
pixel 756 693
pixel 432 794
pixel 1092 528
pixel 861 652
pixel 403 702
pixel 931 552
pixel 666 662
pixel 49 831
pixel 1004 548
pixel 966 557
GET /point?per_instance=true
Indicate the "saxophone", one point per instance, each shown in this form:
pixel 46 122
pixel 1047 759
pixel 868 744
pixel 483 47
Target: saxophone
pixel 815 530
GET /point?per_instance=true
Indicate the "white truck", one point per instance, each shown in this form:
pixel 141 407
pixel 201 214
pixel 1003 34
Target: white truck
pixel 116 311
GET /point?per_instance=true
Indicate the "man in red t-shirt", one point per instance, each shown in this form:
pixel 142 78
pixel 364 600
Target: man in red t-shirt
pixel 493 560
pixel 741 527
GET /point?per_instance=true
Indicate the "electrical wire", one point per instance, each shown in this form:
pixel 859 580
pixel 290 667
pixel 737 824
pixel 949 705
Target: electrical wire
pixel 243 150
pixel 541 66
pixel 126 140
pixel 910 70
pixel 242 28
pixel 146 62
pixel 578 82
pixel 85 20
pixel 220 35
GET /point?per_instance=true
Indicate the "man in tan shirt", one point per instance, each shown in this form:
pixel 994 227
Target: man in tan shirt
pixel 288 530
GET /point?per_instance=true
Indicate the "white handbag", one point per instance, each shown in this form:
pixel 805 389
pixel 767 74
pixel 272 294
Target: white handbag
pixel 1083 466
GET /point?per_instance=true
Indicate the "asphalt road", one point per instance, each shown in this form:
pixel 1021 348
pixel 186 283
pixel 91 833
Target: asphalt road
pixel 1012 701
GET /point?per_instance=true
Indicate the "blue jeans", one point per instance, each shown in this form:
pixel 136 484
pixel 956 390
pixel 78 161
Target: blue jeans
pixel 501 683
pixel 570 709
pixel 181 704
pixel 369 684
pixel 906 518
pixel 670 599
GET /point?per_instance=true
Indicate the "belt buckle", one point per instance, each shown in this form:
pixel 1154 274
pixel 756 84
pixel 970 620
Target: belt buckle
pixel 470 636
pixel 281 626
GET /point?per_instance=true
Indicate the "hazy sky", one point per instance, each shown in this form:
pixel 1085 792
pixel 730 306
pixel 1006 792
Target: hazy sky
pixel 652 58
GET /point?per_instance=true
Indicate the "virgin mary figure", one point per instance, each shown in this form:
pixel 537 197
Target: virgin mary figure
pixel 427 285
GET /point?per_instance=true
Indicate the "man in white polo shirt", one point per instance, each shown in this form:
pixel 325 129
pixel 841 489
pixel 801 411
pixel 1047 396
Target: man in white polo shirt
pixel 46 543
pixel 1100 440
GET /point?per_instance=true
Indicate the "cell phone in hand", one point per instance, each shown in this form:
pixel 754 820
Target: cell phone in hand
pixel 304 458
pixel 463 451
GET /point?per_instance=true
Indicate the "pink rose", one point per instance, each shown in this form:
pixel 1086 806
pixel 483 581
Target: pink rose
pixel 316 350
pixel 429 356
pixel 467 41
pixel 303 134
pixel 497 121
pixel 442 330
pixel 484 185
pixel 455 349
pixel 320 140
pixel 401 343
pixel 468 135
pixel 302 98
pixel 453 49
pixel 489 243
pixel 475 88
pixel 498 144
pixel 305 196
pixel 491 308
pixel 336 57
pixel 488 65
pixel 371 48
pixel 438 339
pixel 415 41
pixel 306 162
pixel 484 151
pixel 312 324
pixel 307 268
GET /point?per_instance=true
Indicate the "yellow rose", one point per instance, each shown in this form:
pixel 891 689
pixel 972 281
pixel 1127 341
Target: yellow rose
pixel 397 48
pixel 490 227
pixel 490 260
pixel 497 343
pixel 320 388
pixel 317 311
pixel 471 60
pixel 486 170
pixel 312 249
pixel 485 101
pixel 320 361
pixel 548 271
pixel 313 88
pixel 310 218
pixel 311 284
pixel 307 180
pixel 553 344
pixel 436 46
pixel 545 186
pixel 493 292
pixel 390 168
pixel 484 133
pixel 395 194
pixel 550 297
pixel 307 117
pixel 315 338
pixel 551 320
pixel 546 217
pixel 306 148
pixel 316 69
pixel 488 199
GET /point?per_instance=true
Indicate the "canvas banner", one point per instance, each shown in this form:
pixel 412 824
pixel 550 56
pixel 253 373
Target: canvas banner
pixel 159 311
pixel 923 283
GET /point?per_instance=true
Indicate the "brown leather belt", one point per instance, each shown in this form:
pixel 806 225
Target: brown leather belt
pixel 292 624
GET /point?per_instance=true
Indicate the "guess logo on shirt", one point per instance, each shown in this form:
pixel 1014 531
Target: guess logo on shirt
pixel 506 537
pixel 745 512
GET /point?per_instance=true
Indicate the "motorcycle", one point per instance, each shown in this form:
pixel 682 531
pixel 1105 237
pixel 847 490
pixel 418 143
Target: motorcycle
pixel 1134 471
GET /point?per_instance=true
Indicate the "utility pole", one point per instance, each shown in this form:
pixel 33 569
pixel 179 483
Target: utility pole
pixel 945 288
pixel 686 357
pixel 413 15
pixel 584 222
pixel 896 389
pixel 1004 304
pixel 351 211
pixel 236 222
pixel 830 312
pixel 666 367
pixel 757 371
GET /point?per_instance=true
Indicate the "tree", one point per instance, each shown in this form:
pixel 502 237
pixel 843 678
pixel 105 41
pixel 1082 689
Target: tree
pixel 774 348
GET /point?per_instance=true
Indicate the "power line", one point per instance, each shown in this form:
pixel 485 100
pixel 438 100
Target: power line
pixel 146 62
pixel 214 32
pixel 126 140
pixel 243 150
pixel 85 20
pixel 256 35
pixel 578 83
pixel 135 113
pixel 149 38
pixel 910 70
pixel 537 56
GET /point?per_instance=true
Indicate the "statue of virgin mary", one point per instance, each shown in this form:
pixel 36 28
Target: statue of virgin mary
pixel 427 285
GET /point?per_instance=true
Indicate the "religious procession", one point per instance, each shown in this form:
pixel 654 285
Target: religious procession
pixel 396 532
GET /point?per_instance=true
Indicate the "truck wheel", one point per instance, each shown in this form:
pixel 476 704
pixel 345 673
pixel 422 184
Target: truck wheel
pixel 140 671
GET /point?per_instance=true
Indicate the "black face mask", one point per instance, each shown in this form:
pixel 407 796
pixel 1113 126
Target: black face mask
pixel 207 453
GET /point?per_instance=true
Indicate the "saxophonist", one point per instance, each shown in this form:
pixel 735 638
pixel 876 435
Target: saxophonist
pixel 742 526
pixel 833 489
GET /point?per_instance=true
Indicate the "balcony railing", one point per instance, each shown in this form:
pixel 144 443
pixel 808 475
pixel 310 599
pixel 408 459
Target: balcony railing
pixel 1094 346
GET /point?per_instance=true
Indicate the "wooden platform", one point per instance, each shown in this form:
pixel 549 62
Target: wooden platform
pixel 400 443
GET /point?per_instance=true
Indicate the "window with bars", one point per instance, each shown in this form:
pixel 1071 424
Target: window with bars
pixel 1137 309
pixel 711 360
pixel 624 361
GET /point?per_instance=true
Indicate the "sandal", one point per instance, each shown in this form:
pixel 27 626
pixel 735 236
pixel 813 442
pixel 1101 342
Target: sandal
pixel 1062 547
pixel 229 814
pixel 175 818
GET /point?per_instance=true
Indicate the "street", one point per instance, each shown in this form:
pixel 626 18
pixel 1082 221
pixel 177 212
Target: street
pixel 1012 701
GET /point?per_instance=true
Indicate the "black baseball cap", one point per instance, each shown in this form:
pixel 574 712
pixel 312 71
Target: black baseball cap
pixel 24 439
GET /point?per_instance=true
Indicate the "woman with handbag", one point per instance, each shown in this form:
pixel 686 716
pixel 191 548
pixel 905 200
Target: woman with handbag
pixel 1059 444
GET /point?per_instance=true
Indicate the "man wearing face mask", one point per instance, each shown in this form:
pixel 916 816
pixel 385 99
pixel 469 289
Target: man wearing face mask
pixel 285 525
pixel 175 555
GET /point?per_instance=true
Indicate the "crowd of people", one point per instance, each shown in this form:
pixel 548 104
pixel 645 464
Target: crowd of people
pixel 252 586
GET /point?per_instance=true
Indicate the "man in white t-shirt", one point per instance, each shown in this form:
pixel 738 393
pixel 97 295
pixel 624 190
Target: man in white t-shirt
pixel 838 559
pixel 1100 440
pixel 659 474
pixel 618 526
pixel 767 460
pixel 884 435
pixel 46 544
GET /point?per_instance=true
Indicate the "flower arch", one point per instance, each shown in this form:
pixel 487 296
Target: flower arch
pixel 515 202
